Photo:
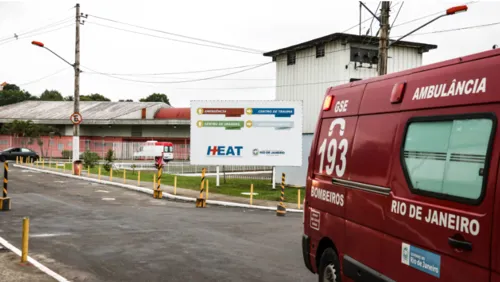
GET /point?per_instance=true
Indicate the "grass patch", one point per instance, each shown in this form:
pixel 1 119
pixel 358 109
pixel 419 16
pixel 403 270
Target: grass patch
pixel 232 187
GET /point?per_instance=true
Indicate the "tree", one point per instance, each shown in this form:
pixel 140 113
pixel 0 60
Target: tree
pixel 68 98
pixel 128 100
pixel 11 87
pixel 30 130
pixel 156 97
pixel 12 96
pixel 51 95
pixel 93 97
pixel 109 160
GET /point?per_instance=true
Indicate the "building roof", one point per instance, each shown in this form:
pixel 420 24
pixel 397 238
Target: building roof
pixel 93 112
pixel 348 38
pixel 173 113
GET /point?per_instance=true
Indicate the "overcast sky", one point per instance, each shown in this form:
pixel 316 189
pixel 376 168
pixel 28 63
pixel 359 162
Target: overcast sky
pixel 259 24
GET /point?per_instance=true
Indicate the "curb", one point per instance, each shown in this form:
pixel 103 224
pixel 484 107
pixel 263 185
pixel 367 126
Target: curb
pixel 150 191
pixel 34 262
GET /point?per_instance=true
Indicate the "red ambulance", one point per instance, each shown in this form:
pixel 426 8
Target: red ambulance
pixel 402 176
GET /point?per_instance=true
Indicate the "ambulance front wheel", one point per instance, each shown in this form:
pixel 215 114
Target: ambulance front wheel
pixel 329 266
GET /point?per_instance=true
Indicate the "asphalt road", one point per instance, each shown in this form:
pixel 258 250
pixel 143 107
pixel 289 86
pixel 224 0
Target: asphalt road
pixel 91 232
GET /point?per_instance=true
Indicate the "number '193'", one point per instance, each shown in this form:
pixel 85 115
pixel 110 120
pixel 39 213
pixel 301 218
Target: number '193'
pixel 333 148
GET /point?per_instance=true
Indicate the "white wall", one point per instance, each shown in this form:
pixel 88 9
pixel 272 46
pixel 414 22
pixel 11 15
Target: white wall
pixel 309 78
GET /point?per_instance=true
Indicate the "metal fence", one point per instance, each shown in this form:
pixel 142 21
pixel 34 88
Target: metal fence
pixel 61 147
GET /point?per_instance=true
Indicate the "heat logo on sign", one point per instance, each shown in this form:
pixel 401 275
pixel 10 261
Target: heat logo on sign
pixel 233 151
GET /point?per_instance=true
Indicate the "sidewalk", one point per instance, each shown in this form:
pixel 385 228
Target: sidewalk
pixel 183 191
pixel 12 270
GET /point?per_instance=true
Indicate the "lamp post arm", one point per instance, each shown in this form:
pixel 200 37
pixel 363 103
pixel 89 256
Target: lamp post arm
pixel 59 57
pixel 418 28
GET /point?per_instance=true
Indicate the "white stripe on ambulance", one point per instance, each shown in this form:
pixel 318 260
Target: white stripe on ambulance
pixel 439 218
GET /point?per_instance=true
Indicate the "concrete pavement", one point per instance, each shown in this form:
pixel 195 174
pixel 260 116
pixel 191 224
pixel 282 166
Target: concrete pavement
pixel 13 271
pixel 185 192
pixel 92 232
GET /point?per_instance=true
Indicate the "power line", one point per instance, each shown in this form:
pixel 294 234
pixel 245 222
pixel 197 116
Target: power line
pixel 171 39
pixel 44 77
pixel 182 81
pixel 373 18
pixel 397 14
pixel 36 29
pixel 184 78
pixel 180 35
pixel 183 72
pixel 265 87
pixel 430 15
pixel 454 29
pixel 40 33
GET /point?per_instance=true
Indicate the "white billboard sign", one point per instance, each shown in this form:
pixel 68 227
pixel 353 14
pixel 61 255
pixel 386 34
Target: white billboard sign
pixel 246 133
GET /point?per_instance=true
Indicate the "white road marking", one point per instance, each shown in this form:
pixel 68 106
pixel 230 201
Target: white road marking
pixel 248 193
pixel 33 261
pixel 31 171
pixel 108 199
pixel 102 191
pixel 59 181
pixel 43 235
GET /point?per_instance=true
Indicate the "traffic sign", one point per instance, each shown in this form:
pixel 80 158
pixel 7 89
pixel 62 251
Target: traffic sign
pixel 76 118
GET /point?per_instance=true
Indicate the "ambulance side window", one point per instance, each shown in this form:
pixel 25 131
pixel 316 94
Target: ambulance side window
pixel 447 158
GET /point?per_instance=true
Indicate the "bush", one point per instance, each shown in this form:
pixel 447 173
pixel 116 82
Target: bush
pixel 109 160
pixel 90 159
pixel 67 154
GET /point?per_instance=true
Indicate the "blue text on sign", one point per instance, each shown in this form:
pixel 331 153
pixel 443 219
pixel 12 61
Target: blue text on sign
pixel 224 151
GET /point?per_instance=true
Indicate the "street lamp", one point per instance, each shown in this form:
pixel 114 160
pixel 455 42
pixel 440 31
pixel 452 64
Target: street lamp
pixel 40 44
pixel 449 12
pixel 76 99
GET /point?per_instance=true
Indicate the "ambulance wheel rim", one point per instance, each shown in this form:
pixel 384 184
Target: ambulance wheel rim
pixel 330 274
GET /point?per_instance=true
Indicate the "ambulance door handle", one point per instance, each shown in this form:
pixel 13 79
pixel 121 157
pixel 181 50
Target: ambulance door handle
pixel 459 244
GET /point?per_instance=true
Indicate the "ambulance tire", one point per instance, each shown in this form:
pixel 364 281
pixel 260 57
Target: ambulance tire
pixel 329 265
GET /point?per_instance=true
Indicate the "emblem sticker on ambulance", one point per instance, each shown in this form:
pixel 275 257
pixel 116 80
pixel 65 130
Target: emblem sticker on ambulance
pixel 421 259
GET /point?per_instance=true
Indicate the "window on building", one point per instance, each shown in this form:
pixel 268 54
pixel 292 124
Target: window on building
pixel 60 147
pixel 320 50
pixel 447 159
pixel 290 58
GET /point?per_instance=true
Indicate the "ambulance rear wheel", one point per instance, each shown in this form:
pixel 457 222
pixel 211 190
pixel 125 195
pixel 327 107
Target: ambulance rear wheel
pixel 329 267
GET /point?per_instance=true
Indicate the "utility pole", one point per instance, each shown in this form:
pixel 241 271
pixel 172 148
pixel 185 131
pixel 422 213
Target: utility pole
pixel 360 15
pixel 76 99
pixel 384 37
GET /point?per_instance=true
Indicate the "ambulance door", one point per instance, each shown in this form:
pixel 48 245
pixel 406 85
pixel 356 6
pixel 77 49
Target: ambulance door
pixel 441 211
pixel 495 243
